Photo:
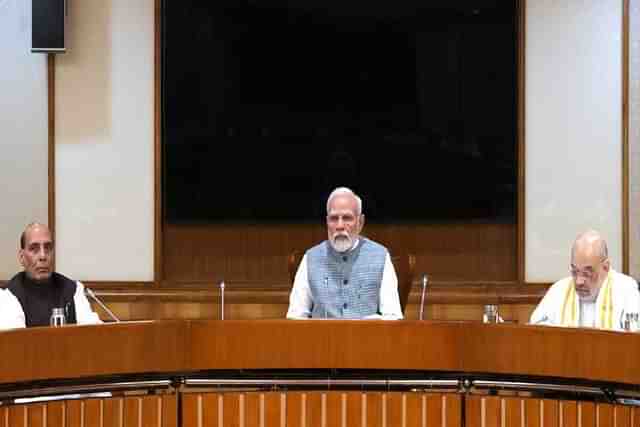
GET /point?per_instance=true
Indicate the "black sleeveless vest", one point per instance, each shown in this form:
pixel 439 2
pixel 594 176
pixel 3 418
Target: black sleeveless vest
pixel 39 299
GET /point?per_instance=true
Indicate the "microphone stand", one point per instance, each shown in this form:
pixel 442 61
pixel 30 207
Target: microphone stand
pixel 425 279
pixel 94 297
pixel 222 300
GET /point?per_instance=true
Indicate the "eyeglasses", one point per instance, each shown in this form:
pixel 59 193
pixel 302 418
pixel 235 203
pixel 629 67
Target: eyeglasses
pixel 588 272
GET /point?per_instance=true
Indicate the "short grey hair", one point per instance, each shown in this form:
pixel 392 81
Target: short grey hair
pixel 341 191
pixel 592 237
pixel 23 235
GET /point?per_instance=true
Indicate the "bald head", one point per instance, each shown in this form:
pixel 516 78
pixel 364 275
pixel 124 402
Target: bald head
pixel 589 264
pixel 590 242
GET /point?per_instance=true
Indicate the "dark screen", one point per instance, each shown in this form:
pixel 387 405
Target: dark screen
pixel 47 31
pixel 268 105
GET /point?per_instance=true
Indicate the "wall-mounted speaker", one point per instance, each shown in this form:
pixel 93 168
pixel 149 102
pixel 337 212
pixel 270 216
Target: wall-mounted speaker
pixel 47 25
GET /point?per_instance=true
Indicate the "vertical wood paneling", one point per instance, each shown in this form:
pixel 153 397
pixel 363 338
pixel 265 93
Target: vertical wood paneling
pixel 622 416
pixel 18 416
pixel 132 412
pixel 210 409
pixel 635 417
pixel 311 409
pixel 92 413
pixel 492 411
pixel 434 410
pixel 249 252
pixel 170 410
pixel 252 409
pixel 73 413
pixel 354 409
pixel 328 409
pixel 190 410
pixel 373 404
pixel 333 414
pixel 568 414
pixel 532 413
pixel 272 409
pixel 550 412
pixel 4 417
pixel 314 409
pixel 294 409
pixel 513 412
pixel 113 412
pixel 413 409
pixel 231 409
pixel 604 415
pixel 35 415
pixel 151 411
pixel 453 410
pixel 393 412
pixel 587 414
pixel 473 409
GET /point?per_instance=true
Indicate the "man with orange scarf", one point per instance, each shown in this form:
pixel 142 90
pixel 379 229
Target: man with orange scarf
pixel 594 295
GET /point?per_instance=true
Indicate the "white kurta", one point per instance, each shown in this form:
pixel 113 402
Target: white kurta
pixel 625 296
pixel 12 316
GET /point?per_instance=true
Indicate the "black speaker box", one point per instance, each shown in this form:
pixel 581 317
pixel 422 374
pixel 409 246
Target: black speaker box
pixel 47 26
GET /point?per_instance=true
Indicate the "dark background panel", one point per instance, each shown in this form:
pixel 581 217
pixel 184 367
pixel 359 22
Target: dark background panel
pixel 268 105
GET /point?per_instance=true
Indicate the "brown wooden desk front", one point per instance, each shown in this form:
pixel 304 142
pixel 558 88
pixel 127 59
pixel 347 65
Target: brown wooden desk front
pixel 319 373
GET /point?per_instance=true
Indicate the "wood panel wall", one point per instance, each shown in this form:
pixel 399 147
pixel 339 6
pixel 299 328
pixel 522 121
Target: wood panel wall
pixel 140 309
pixel 469 265
pixel 142 411
pixel 245 253
pixel 528 412
pixel 321 409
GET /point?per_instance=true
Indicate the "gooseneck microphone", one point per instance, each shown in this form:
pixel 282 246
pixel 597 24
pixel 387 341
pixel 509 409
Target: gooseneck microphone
pixel 326 286
pixel 94 297
pixel 425 280
pixel 222 300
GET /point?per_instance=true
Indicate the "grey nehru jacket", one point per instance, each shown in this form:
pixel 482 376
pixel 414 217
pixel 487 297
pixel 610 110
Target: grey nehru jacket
pixel 346 285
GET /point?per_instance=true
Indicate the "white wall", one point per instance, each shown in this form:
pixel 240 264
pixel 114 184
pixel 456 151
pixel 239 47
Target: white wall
pixel 104 142
pixel 634 139
pixel 23 131
pixel 573 130
pixel 104 152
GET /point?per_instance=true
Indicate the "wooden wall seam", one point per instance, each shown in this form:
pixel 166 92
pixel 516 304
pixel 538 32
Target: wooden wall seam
pixel 51 143
pixel 157 147
pixel 521 205
pixel 625 137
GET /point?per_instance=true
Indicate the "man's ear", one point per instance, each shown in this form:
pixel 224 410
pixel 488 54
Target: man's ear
pixel 21 257
pixel 361 223
pixel 606 265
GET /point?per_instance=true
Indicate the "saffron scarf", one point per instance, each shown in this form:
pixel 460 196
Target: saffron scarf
pixel 604 306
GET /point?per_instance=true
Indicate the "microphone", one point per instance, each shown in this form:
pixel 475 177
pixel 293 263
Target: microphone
pixel 94 297
pixel 326 286
pixel 425 280
pixel 222 300
pixel 543 320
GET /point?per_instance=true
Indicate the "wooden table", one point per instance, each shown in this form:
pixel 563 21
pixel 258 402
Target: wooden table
pixel 319 373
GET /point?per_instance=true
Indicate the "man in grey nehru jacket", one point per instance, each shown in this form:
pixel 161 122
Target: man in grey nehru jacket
pixel 346 276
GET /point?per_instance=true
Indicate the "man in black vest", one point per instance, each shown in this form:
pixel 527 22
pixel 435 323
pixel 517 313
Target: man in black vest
pixel 37 290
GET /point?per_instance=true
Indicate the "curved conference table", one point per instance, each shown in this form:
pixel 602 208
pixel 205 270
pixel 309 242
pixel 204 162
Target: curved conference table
pixel 318 374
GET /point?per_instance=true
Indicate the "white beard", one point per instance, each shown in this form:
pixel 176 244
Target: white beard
pixel 341 243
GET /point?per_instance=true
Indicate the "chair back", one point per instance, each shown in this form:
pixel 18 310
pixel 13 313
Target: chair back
pixel 405 269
